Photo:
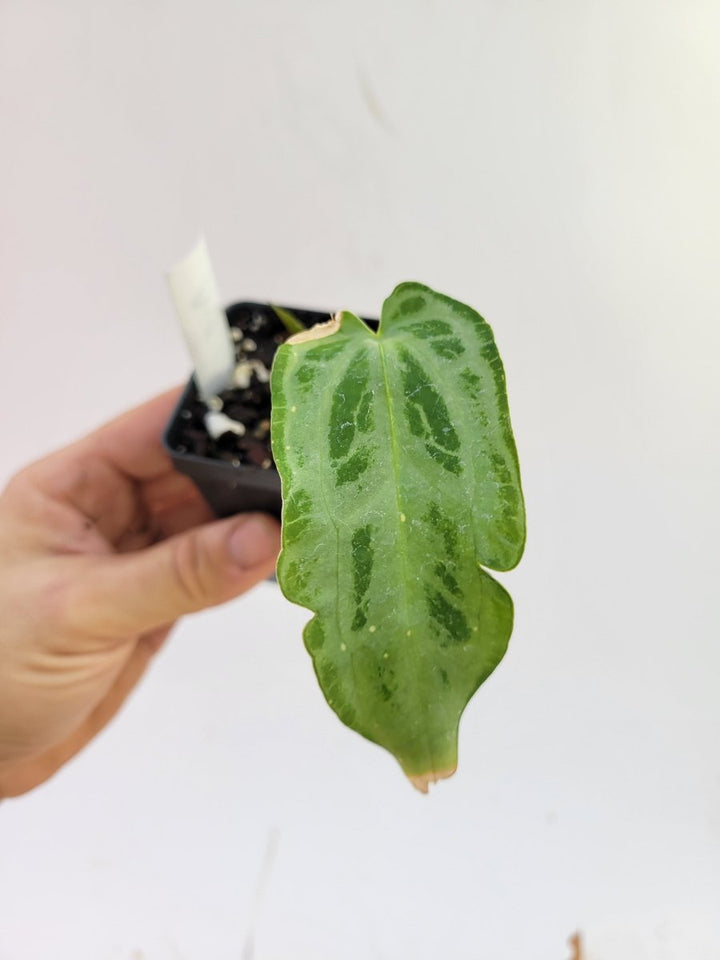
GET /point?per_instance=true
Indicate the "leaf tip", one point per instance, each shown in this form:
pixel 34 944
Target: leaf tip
pixel 422 781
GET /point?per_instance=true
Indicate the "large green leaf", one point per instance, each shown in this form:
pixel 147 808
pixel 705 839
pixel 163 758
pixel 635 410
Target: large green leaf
pixel 400 478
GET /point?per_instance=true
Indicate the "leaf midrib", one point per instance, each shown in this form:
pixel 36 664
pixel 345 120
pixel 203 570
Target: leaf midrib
pixel 402 538
pixel 402 532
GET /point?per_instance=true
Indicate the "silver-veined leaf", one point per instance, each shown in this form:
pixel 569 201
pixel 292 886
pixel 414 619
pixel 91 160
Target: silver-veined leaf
pixel 400 483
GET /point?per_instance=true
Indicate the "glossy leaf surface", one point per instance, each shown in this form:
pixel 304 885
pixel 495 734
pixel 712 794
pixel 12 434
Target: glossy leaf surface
pixel 400 482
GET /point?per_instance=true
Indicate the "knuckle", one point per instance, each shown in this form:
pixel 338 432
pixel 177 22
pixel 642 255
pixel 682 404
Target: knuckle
pixel 192 571
pixel 63 602
pixel 58 602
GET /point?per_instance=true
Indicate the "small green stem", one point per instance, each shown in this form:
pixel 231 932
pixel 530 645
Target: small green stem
pixel 288 319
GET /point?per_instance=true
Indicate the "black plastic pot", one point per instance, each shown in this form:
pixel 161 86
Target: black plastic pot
pixel 232 487
pixel 228 489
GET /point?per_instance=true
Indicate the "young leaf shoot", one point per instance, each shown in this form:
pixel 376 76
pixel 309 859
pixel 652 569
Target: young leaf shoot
pixel 288 319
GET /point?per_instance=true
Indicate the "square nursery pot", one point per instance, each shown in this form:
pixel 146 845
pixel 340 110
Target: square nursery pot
pixel 235 471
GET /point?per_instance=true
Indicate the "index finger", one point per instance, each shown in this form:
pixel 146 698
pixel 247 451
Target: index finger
pixel 132 443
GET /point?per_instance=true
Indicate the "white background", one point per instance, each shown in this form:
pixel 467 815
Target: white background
pixel 556 165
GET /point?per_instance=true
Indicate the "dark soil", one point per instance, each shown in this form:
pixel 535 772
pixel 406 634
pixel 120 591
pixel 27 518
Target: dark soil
pixel 257 333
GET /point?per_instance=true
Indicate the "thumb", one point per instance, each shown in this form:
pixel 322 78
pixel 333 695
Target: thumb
pixel 138 591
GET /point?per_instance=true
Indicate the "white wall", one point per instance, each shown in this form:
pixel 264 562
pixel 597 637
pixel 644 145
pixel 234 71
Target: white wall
pixel 556 165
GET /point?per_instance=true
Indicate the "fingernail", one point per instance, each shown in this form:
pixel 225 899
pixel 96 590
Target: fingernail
pixel 254 540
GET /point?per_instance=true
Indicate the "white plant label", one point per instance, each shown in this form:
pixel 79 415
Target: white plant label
pixel 197 303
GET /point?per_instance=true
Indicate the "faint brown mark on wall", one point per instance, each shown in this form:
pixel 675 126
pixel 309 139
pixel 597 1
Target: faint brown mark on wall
pixel 372 102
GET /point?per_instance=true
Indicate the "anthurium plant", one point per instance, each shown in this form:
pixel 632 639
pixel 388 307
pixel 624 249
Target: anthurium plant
pixel 400 486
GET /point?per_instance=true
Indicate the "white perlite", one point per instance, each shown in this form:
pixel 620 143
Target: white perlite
pixel 217 424
pixel 204 324
pixel 242 375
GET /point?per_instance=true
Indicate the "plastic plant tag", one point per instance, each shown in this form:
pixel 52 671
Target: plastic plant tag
pixel 197 302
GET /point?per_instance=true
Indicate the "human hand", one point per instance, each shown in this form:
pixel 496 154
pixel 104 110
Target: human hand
pixel 102 547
